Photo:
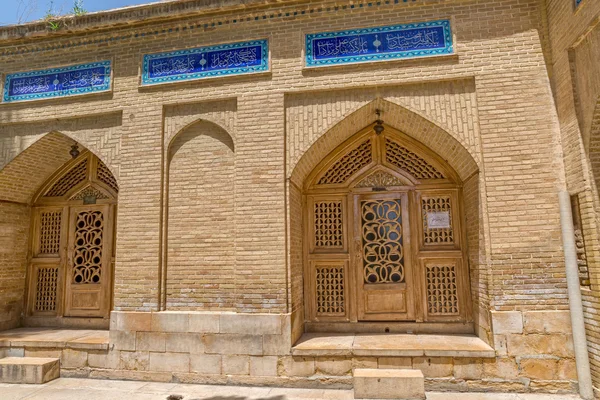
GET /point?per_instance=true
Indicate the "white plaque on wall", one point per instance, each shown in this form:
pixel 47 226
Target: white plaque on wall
pixel 438 220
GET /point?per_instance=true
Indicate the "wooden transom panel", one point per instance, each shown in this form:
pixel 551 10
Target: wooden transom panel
pixel 384 234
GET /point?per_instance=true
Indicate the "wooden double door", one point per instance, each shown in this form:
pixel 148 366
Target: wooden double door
pixel 383 265
pixel 71 267
pixel 383 235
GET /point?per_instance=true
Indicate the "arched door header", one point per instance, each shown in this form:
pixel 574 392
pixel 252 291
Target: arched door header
pixel 403 158
pixel 461 156
pixel 81 177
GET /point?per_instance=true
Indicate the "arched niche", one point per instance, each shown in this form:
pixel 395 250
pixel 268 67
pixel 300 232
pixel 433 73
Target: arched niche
pixel 428 181
pixel 44 189
pixel 200 232
pixel 73 225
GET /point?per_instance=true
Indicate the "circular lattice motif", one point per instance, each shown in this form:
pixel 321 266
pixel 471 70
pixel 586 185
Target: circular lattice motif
pixel 87 259
pixel 383 252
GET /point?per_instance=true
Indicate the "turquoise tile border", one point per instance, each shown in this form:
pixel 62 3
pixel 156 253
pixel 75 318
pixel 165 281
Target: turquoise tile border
pixel 206 62
pixel 379 44
pixel 58 82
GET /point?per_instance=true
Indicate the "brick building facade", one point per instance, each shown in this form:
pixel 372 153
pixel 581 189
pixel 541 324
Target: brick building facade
pixel 221 226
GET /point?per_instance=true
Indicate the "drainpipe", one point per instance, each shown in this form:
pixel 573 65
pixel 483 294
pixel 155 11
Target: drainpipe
pixel 575 304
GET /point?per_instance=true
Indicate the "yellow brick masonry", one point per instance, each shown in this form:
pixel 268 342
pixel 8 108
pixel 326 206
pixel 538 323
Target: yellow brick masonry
pixel 488 110
pixel 574 36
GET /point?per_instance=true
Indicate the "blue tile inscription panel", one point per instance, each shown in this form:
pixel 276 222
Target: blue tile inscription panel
pixel 205 62
pixel 380 43
pixel 58 82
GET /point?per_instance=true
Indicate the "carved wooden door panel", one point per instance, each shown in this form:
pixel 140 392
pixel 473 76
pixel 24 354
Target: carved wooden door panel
pixel 88 272
pixel 47 261
pixel 382 257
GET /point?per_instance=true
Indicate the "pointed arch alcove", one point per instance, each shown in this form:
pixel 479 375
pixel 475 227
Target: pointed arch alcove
pixel 73 224
pixel 200 234
pixel 384 237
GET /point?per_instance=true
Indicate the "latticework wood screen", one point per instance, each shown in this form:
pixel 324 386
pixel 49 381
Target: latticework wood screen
pixel 348 165
pixel 104 175
pixel 46 285
pixel 405 159
pixel 435 235
pixel 328 224
pixel 75 176
pixel 442 289
pixel 330 296
pixel 87 259
pixel 50 224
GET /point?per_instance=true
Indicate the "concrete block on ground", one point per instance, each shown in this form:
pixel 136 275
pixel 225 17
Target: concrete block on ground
pixel 400 384
pixel 29 369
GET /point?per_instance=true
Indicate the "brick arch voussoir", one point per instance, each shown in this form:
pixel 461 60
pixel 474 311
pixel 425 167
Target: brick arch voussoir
pixel 22 177
pixel 191 122
pixel 451 147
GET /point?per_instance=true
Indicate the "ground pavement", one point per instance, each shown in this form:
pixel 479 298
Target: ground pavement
pixel 91 389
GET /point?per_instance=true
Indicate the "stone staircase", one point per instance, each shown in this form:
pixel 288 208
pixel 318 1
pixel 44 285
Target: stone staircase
pixel 35 370
pixel 399 384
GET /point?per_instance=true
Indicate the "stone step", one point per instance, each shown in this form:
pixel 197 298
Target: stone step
pixel 403 384
pixel 29 369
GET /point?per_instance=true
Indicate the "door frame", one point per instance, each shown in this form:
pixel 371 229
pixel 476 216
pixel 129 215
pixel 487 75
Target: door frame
pixel 383 175
pixel 99 189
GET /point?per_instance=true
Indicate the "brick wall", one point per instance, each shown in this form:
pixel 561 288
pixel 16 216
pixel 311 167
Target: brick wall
pixel 488 110
pixel 14 236
pixel 200 239
pixel 575 80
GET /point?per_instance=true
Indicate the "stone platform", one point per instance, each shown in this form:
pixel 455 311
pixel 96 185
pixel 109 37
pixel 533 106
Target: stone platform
pixel 17 342
pixel 75 348
pixel 391 345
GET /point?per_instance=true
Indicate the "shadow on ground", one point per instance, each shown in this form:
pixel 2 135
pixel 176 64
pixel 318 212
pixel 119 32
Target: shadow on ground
pixel 240 398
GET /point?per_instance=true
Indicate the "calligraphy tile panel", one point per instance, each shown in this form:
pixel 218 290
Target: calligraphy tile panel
pixel 58 82
pixel 206 62
pixel 379 44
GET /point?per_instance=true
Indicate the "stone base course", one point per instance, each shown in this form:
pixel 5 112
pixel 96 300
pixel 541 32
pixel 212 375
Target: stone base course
pixel 229 348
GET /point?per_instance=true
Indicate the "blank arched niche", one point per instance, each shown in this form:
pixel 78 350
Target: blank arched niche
pixel 200 219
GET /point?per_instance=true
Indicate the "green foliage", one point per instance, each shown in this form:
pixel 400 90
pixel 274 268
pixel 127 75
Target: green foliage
pixel 51 12
pixel 54 25
pixel 78 8
pixel 55 19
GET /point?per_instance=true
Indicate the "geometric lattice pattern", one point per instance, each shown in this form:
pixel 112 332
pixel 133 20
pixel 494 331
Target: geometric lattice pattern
pixel 87 259
pixel 382 241
pixel 330 291
pixel 437 235
pixel 348 165
pixel 328 224
pixel 405 159
pixel 72 178
pixel 442 292
pixel 45 296
pixel 104 175
pixel 50 222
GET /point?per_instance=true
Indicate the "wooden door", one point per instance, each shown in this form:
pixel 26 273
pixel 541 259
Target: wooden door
pixel 88 272
pixel 47 261
pixel 382 257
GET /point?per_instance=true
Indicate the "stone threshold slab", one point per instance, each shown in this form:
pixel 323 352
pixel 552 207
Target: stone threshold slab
pixel 32 370
pixel 83 339
pixel 391 345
